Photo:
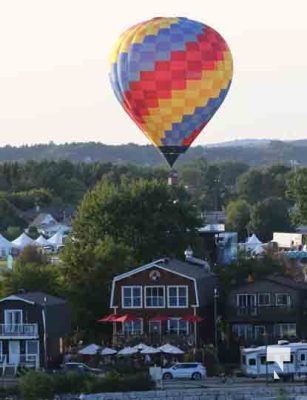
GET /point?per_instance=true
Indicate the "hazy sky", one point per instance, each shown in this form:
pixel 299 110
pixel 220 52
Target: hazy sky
pixel 54 68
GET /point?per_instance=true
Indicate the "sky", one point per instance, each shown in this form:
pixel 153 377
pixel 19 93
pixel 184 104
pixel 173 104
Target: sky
pixel 54 83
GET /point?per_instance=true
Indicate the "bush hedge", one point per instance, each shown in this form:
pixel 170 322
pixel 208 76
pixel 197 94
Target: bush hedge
pixel 35 385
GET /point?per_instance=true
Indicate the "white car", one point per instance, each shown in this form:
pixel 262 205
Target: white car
pixel 190 370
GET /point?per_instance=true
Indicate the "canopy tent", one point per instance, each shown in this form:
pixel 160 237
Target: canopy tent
pixel 108 318
pixel 252 244
pixel 22 241
pixel 107 351
pixel 56 240
pixel 41 241
pixel 5 246
pixel 127 351
pixel 90 350
pixel 170 349
pixel 160 318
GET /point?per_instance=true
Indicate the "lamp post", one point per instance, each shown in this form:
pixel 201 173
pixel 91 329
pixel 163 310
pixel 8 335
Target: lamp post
pixel 45 333
pixel 114 335
pixel 194 306
pixel 215 297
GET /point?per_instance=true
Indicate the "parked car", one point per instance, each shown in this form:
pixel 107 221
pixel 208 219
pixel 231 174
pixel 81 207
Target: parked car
pixel 81 368
pixel 190 370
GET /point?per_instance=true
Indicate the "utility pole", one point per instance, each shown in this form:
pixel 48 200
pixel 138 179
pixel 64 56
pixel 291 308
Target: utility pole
pixel 215 297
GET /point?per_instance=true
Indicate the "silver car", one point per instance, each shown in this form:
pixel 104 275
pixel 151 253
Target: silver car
pixel 189 370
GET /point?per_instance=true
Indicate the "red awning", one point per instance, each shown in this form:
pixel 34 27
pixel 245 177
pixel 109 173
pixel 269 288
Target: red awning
pixel 159 318
pixel 126 318
pixel 108 318
pixel 192 318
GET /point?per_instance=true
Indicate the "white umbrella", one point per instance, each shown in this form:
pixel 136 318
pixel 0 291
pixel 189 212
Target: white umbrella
pixel 41 241
pixel 140 346
pixel 170 349
pixel 107 351
pixel 150 350
pixel 90 350
pixel 127 351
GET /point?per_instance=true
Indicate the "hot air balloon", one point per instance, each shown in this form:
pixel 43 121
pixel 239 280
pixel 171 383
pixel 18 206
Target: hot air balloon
pixel 171 75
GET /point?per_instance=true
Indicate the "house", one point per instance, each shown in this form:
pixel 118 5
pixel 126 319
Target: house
pixel 33 326
pixel 43 219
pixel 268 309
pixel 163 300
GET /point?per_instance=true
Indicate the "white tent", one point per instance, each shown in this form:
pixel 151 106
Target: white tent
pixel 5 246
pixel 56 240
pixel 170 349
pixel 22 241
pixel 41 241
pixel 127 351
pixel 90 350
pixel 107 351
pixel 252 243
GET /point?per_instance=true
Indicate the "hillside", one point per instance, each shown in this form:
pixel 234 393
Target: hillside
pixel 253 152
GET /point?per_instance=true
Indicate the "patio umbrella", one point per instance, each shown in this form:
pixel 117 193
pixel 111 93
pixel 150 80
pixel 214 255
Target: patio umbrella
pixel 108 318
pixel 150 350
pixel 140 346
pixel 170 349
pixel 90 350
pixel 127 351
pixel 192 318
pixel 159 318
pixel 107 351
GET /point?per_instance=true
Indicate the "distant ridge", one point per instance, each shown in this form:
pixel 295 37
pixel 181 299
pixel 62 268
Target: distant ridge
pixel 255 152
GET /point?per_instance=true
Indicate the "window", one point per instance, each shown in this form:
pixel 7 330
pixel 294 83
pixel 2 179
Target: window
pixel 302 357
pixel 243 360
pixel 154 296
pixel 285 330
pixel 282 299
pixel 132 297
pixel 12 317
pixel 243 330
pixel 246 304
pixel 264 299
pixel 32 350
pixel 252 361
pixel 177 296
pixel 133 327
pixel 178 326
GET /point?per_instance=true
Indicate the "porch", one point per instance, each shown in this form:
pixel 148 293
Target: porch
pixel 10 366
pixel 16 331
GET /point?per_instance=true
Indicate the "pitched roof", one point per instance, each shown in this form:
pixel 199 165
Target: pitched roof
pixel 39 219
pixel 282 280
pixel 204 281
pixel 36 298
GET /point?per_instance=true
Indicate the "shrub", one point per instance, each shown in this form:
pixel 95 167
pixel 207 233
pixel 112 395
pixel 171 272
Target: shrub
pixel 70 382
pixel 36 385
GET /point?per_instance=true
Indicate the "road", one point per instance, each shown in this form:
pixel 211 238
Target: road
pixel 217 383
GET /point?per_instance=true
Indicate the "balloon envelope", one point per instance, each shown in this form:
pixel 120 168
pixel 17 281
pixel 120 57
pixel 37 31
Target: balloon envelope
pixel 171 75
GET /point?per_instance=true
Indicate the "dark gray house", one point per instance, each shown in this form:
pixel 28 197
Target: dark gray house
pixel 33 327
pixel 267 310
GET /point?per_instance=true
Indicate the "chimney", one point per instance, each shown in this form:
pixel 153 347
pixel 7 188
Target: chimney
pixel 173 178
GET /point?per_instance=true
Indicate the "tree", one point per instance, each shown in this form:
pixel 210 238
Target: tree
pixel 297 191
pixel 119 227
pixel 270 216
pixel 238 217
pixel 146 216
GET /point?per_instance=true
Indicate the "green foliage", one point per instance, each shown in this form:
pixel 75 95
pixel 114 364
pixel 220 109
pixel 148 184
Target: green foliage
pixel 36 385
pixel 297 191
pixel 12 232
pixel 238 217
pixel 32 277
pixel 71 382
pixel 244 268
pixel 268 216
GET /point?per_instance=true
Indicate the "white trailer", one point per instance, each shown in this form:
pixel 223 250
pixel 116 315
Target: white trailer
pixel 254 361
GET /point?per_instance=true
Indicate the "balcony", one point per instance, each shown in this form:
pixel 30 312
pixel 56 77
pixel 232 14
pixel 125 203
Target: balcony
pixel 18 331
pixel 263 313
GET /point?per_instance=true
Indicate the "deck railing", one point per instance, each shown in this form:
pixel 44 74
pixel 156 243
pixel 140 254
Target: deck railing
pixel 19 330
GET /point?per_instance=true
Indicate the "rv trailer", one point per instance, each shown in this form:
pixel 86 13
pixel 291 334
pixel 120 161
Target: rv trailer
pixel 254 361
